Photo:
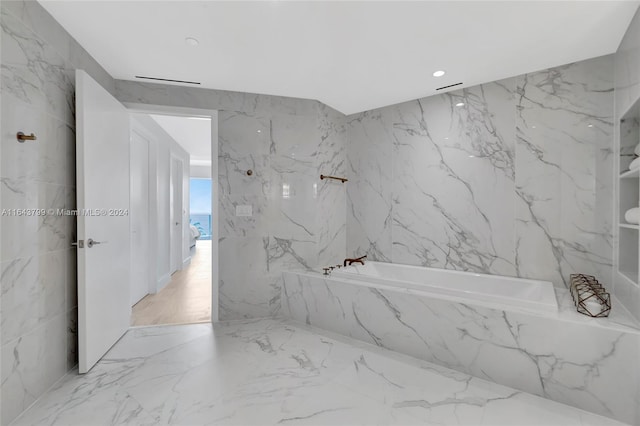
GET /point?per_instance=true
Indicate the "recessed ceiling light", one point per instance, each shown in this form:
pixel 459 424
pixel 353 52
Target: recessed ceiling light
pixel 459 104
pixel 590 125
pixel 438 73
pixel 191 41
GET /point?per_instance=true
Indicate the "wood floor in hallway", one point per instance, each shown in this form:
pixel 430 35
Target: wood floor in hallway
pixel 185 300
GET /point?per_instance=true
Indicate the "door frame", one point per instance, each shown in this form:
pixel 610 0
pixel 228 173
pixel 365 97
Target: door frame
pixel 141 130
pixel 213 115
pixel 177 197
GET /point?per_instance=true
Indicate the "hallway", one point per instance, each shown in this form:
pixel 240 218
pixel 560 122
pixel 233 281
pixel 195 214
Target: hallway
pixel 186 299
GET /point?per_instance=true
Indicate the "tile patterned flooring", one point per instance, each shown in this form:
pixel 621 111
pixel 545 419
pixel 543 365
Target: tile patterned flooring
pixel 267 372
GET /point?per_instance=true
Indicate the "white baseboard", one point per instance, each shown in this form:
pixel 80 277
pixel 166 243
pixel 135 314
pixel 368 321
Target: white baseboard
pixel 186 262
pixel 163 281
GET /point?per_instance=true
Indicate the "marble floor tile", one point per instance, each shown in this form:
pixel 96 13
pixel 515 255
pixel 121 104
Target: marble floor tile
pixel 264 372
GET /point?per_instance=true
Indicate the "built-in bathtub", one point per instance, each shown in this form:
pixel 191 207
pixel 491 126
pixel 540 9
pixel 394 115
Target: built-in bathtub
pixel 462 286
pixel 478 325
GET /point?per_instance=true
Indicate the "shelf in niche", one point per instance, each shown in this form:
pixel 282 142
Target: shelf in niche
pixel 631 174
pixel 628 197
pixel 630 226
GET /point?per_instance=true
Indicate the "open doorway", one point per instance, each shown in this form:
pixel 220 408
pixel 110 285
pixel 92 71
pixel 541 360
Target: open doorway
pixel 103 168
pixel 178 253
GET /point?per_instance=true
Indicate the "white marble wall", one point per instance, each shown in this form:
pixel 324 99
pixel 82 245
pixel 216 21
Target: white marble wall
pixel 513 182
pixel 568 358
pixel 38 270
pixel 564 171
pixel 627 92
pixel 298 221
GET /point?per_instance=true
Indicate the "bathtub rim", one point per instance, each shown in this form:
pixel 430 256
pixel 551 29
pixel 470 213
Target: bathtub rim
pixel 426 293
pixel 548 284
pixel 563 298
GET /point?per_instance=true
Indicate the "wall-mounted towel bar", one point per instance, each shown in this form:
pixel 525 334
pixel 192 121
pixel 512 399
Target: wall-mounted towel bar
pixel 333 177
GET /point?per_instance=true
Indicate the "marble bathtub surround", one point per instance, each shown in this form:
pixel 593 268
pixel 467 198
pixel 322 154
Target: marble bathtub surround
pixel 518 181
pixel 275 372
pixel 567 357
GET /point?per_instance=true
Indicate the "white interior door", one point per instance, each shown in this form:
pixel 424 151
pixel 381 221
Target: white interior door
pixel 102 166
pixel 176 214
pixel 139 217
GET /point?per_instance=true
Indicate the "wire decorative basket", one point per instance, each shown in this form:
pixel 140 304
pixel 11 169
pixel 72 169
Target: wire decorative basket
pixel 589 296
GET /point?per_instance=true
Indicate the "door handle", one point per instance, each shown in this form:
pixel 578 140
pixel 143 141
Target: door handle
pixel 91 242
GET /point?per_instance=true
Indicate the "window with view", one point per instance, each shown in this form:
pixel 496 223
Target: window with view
pixel 200 203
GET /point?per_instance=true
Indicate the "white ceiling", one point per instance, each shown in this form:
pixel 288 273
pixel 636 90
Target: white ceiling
pixel 353 56
pixel 193 134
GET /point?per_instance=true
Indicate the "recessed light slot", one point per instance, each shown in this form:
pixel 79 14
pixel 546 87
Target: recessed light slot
pixel 451 85
pixel 167 79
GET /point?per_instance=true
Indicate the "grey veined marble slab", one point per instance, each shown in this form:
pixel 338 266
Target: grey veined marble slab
pixel 564 357
pixel 275 372
pixel 511 177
